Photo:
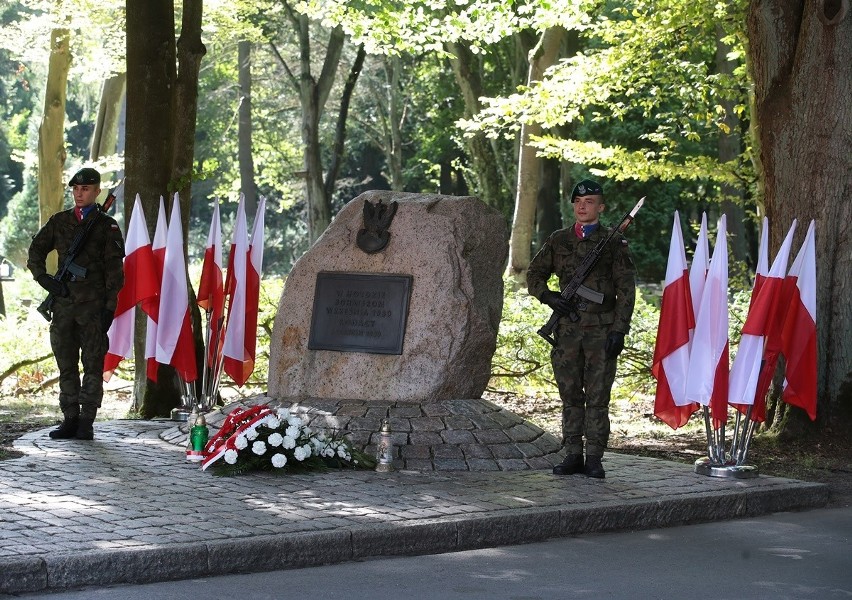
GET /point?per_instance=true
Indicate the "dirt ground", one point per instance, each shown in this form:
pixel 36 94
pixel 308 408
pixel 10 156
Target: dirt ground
pixel 634 431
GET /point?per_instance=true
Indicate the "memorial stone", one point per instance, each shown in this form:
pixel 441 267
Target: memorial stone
pixel 450 250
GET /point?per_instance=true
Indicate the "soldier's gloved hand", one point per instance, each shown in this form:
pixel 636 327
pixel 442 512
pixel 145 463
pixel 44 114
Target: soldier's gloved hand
pixel 106 319
pixel 557 302
pixel 614 344
pixel 52 285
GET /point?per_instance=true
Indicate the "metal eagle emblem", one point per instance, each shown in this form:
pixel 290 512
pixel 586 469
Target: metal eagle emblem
pixel 377 219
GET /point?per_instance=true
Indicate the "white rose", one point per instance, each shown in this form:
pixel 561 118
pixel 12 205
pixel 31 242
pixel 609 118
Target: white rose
pixel 251 433
pixel 275 440
pixel 278 460
pixel 341 452
pixel 241 442
pixel 292 431
pixel 272 422
pixel 230 456
pixel 294 421
pixel 258 448
pixel 283 414
pixel 288 442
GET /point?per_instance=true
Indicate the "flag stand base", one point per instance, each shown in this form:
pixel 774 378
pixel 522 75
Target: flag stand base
pixel 704 466
pixel 180 414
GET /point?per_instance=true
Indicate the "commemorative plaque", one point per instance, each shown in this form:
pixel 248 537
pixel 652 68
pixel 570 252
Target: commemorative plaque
pixel 360 312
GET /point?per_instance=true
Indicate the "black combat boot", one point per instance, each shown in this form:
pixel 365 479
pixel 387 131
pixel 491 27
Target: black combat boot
pixel 85 431
pixel 67 430
pixel 573 463
pixel 594 468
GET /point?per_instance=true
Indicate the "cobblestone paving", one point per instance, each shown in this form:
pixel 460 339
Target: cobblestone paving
pixel 127 507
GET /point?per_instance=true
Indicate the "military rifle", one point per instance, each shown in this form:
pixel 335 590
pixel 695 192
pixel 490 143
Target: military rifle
pixel 575 292
pixel 69 270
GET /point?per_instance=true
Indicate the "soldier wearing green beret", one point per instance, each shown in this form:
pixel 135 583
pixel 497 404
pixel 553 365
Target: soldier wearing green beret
pixel 83 307
pixel 584 357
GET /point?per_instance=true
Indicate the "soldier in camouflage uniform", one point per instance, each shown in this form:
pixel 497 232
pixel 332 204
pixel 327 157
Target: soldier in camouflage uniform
pixel 584 358
pixel 83 308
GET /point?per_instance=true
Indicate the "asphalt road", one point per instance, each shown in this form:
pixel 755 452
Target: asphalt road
pixel 780 556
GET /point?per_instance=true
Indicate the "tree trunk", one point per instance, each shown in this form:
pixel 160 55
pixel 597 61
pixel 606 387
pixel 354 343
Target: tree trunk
pixel 244 132
pixel 799 56
pixel 148 147
pixel 548 216
pixel 396 115
pixel 313 94
pixel 729 150
pixel 161 108
pixel 340 127
pixel 541 57
pixel 190 51
pixel 51 132
pixel 484 167
pixel 110 108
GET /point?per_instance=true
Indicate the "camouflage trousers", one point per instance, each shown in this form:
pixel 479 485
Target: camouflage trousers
pixel 585 379
pixel 76 337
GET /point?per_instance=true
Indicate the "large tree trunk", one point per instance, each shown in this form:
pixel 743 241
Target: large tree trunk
pixel 161 108
pixel 51 132
pixel 799 56
pixel 544 55
pixel 148 147
pixel 729 150
pixel 244 131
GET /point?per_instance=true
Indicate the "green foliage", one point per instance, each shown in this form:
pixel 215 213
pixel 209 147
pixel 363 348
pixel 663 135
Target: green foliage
pixel 19 225
pixel 22 322
pixel 521 364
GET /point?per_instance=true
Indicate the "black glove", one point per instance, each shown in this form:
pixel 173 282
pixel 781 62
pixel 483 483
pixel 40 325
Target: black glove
pixel 560 305
pixel 106 319
pixel 614 344
pixel 52 285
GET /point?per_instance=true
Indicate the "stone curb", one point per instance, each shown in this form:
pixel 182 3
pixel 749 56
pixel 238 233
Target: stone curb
pixel 429 536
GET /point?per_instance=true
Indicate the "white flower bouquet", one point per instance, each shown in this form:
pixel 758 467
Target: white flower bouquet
pixel 260 438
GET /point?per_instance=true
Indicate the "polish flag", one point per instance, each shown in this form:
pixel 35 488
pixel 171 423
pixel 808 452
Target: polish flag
pixel 234 351
pixel 765 317
pixel 211 291
pixel 707 374
pixel 254 272
pixel 798 337
pixel 140 282
pixel 671 351
pixel 175 344
pixel 700 266
pixel 151 307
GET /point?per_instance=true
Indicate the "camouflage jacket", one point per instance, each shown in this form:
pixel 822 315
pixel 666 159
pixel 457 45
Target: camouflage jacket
pixel 614 275
pixel 102 255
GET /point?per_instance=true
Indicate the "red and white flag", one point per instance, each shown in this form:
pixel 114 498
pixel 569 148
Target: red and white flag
pixel 671 350
pixel 151 306
pixel 234 351
pixel 211 291
pixel 140 282
pixel 175 344
pixel 700 266
pixel 799 334
pixel 764 320
pixel 254 273
pixel 707 374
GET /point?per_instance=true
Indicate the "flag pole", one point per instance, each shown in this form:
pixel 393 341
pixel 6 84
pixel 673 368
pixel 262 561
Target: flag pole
pixel 735 436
